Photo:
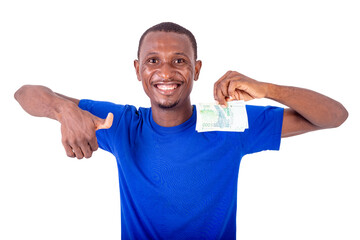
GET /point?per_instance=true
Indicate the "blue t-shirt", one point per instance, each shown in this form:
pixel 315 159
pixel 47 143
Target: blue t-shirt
pixel 176 183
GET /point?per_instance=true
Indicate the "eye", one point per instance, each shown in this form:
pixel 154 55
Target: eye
pixel 179 60
pixel 152 60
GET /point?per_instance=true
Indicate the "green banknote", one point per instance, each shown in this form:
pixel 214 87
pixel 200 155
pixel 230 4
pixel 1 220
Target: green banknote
pixel 213 117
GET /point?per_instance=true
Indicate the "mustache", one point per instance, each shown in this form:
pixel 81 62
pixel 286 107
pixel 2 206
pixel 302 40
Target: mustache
pixel 167 81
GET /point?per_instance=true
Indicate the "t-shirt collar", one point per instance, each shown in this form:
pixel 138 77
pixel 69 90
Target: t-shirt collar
pixel 182 127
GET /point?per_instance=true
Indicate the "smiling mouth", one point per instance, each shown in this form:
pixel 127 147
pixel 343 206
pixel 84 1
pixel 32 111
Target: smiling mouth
pixel 167 88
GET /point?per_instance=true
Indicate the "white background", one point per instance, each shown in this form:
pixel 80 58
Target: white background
pixel 85 49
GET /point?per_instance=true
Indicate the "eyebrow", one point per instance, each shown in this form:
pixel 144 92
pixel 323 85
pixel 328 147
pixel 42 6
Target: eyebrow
pixel 176 53
pixel 182 54
pixel 151 53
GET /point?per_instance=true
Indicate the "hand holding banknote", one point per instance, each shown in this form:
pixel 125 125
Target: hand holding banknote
pixel 230 92
pixel 236 86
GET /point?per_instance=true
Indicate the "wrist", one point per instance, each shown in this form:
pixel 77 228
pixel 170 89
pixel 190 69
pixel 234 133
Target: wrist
pixel 272 91
pixel 63 108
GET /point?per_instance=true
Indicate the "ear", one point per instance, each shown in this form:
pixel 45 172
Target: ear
pixel 137 67
pixel 198 65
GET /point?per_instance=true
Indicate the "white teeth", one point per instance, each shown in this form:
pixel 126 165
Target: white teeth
pixel 167 86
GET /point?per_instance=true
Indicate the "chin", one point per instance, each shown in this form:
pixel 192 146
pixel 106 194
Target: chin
pixel 168 105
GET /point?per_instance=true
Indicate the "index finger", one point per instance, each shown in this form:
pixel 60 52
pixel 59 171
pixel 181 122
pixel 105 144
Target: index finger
pixel 220 89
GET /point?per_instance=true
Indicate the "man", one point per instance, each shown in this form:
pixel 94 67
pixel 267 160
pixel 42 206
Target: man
pixel 176 183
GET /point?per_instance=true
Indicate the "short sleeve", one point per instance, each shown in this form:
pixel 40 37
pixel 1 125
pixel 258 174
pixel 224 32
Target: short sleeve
pixel 105 137
pixel 264 132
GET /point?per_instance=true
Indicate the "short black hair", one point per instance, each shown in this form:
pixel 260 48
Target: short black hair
pixel 170 27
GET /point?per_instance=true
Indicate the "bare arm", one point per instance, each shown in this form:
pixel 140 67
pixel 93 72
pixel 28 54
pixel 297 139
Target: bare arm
pixel 308 110
pixel 40 101
pixel 77 126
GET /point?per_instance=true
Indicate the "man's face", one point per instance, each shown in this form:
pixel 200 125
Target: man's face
pixel 167 68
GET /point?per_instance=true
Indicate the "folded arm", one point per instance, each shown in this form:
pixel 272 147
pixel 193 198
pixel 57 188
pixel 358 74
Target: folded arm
pixel 308 110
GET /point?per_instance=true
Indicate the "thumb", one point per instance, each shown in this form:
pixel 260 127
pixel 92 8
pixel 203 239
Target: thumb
pixel 105 123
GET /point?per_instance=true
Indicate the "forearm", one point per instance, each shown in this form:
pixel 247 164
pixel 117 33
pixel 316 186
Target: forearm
pixel 41 101
pixel 316 108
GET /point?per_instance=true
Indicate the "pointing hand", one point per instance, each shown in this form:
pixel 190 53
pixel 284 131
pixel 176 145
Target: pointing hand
pixel 106 124
pixel 78 129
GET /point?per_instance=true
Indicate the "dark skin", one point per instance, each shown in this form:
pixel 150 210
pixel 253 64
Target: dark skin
pixel 167 68
pixel 308 110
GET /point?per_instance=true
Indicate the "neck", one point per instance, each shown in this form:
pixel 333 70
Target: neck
pixel 171 117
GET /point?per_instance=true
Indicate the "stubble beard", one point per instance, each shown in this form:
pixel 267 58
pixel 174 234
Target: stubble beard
pixel 168 106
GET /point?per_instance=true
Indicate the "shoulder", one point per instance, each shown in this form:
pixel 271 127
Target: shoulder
pixel 255 109
pixel 264 120
pixel 263 113
pixel 102 108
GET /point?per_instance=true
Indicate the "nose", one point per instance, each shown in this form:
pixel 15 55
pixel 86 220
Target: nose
pixel 166 71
